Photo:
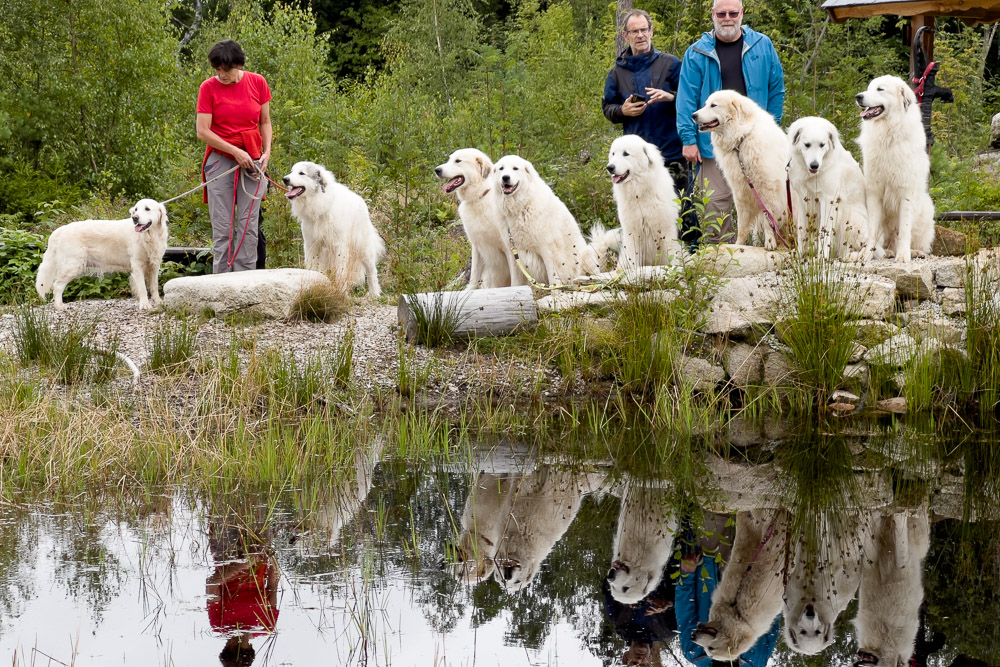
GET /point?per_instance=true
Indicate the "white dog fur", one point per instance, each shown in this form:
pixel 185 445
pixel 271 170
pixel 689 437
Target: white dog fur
pixel 892 588
pixel 823 578
pixel 539 222
pixel 338 236
pixel 829 207
pixel 484 520
pixel 643 543
pixel 748 598
pixel 468 173
pixel 544 505
pixel 95 247
pixel 748 144
pixel 647 203
pixel 896 168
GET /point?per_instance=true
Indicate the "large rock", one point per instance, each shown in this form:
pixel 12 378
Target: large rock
pixel 953 301
pixel 948 242
pixel 744 364
pixel 914 280
pixel 738 261
pixel 949 272
pixel 703 375
pixel 267 293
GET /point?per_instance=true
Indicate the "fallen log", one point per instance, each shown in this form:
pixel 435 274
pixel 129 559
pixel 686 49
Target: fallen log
pixel 482 312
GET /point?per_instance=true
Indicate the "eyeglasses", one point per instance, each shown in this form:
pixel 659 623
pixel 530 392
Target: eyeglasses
pixel 731 15
pixel 640 31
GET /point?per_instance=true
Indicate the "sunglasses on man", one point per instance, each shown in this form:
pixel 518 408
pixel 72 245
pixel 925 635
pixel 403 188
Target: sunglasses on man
pixel 731 15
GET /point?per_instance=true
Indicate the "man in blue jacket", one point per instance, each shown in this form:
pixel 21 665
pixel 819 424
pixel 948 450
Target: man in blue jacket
pixel 640 89
pixel 731 57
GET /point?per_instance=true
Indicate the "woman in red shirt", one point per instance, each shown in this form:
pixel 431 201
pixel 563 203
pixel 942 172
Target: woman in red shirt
pixel 234 121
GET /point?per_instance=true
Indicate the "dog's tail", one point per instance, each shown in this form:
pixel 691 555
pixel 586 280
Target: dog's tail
pixel 44 278
pixel 602 241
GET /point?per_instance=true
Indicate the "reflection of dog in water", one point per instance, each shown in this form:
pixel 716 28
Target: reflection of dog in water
pixel 643 544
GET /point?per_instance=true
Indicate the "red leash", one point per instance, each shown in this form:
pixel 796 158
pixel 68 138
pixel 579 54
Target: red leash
pixel 767 213
pixel 919 83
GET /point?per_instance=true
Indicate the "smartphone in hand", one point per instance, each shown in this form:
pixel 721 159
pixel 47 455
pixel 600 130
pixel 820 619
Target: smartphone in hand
pixel 635 98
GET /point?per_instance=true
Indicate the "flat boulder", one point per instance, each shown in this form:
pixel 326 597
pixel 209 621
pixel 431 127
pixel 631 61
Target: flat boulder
pixel 269 293
pixel 948 242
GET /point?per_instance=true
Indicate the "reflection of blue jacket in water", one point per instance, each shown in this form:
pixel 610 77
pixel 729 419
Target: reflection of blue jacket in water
pixel 692 601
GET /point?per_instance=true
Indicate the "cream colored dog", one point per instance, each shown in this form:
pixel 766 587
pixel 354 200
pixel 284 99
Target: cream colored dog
pixel 539 223
pixel 647 203
pixel 896 168
pixel 643 543
pixel 892 589
pixel 748 597
pixel 830 209
pixel 95 247
pixel 749 148
pixel 338 236
pixel 468 174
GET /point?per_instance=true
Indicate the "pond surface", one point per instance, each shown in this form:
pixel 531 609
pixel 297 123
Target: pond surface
pixel 820 550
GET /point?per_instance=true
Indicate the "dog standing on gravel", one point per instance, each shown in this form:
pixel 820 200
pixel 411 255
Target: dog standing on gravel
pixel 538 222
pixel 95 247
pixel 647 203
pixel 830 211
pixel 896 167
pixel 338 236
pixel 752 153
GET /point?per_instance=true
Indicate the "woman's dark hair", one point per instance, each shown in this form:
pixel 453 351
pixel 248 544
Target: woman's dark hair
pixel 226 54
pixel 233 655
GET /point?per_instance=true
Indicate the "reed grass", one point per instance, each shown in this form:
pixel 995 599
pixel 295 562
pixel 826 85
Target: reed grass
pixel 172 345
pixel 436 316
pixel 64 348
pixel 326 302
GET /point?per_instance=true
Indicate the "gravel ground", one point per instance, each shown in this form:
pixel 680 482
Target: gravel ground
pixel 453 373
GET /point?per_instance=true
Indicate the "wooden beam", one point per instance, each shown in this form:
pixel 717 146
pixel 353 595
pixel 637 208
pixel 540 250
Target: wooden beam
pixel 984 13
pixel 481 312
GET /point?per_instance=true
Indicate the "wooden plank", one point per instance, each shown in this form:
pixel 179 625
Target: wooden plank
pixel 987 14
pixel 483 312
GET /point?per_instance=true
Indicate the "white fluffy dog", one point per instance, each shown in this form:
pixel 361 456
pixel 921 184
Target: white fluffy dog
pixel 643 544
pixel 823 577
pixel 539 222
pixel 468 174
pixel 647 203
pixel 749 148
pixel 338 236
pixel 95 247
pixel 830 210
pixel 486 516
pixel 896 167
pixel 748 597
pixel 892 589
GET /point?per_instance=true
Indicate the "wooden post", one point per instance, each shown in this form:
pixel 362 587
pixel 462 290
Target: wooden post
pixel 489 312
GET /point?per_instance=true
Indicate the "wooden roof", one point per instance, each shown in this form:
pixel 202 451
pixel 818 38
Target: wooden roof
pixel 970 11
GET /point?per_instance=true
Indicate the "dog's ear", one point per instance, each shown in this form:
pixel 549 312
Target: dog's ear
pixel 318 176
pixel 484 167
pixel 737 109
pixel 163 213
pixel 907 96
pixel 795 137
pixel 652 154
pixel 834 139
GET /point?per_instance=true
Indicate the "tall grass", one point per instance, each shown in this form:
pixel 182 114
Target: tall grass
pixel 982 319
pixel 437 316
pixel 816 322
pixel 171 345
pixel 65 349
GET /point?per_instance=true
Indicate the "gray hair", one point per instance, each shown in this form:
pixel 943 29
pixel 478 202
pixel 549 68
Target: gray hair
pixel 716 2
pixel 637 12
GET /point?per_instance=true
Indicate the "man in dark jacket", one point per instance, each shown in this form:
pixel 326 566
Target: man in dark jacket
pixel 652 77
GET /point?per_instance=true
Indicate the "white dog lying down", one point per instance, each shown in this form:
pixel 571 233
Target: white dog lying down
pixel 338 236
pixel 539 222
pixel 748 144
pixel 643 543
pixel 830 210
pixel 467 173
pixel 892 589
pixel 748 597
pixel 647 203
pixel 897 169
pixel 95 247
pixel 823 577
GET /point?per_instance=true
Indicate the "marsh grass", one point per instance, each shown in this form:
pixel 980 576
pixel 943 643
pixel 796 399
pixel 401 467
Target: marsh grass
pixel 321 303
pixel 342 360
pixel 437 316
pixel 816 323
pixel 171 345
pixel 64 348
pixel 982 318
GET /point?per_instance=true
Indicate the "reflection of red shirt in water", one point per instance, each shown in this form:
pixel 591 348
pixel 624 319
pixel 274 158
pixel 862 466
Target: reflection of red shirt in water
pixel 242 603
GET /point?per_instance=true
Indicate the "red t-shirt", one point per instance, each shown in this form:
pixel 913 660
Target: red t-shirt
pixel 235 107
pixel 242 603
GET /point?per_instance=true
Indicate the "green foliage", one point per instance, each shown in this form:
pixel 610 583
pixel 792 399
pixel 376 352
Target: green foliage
pixel 437 316
pixel 20 254
pixel 172 345
pixel 64 348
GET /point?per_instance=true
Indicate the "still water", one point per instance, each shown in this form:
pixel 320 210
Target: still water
pixel 804 550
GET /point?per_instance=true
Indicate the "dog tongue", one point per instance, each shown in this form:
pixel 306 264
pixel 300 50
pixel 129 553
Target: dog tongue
pixel 618 178
pixel 452 184
pixel 295 192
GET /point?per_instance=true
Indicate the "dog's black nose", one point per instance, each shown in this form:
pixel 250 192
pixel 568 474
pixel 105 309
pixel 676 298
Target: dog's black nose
pixel 695 115
pixel 437 171
pixel 810 611
pixel 859 97
pixel 505 178
pixel 611 574
pixel 284 179
pixel 611 169
pixel 814 165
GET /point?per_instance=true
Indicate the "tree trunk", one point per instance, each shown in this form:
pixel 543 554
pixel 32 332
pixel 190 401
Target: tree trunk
pixel 482 312
pixel 624 7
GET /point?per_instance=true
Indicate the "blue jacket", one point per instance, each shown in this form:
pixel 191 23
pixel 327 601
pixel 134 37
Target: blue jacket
pixel 658 123
pixel 700 77
pixel 692 602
